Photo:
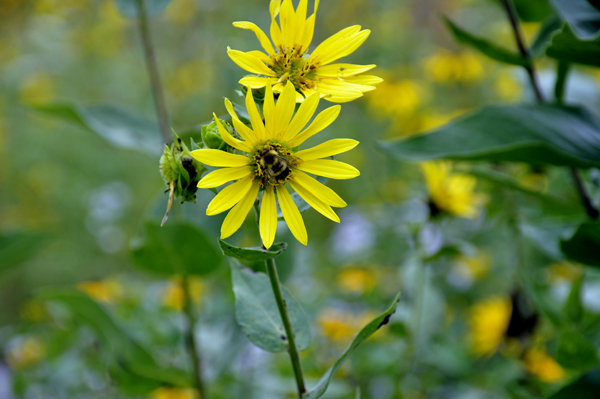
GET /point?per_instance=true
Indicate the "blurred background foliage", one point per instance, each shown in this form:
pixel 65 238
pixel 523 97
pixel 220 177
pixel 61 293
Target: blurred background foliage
pixel 490 308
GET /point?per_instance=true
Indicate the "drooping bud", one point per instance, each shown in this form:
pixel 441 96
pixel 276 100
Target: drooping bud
pixel 212 138
pixel 180 172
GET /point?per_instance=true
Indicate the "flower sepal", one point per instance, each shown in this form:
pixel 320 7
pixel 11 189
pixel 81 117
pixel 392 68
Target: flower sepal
pixel 212 138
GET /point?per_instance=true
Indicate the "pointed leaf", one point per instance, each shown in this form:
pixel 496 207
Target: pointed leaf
pixel 581 16
pixel 257 313
pixel 584 245
pixel 542 40
pixel 535 134
pixel 365 333
pixel 256 254
pixel 568 48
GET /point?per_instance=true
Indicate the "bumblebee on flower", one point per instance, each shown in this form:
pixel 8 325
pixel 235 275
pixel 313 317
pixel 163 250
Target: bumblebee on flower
pixel 267 160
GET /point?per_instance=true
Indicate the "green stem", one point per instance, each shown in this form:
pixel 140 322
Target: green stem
pixel 287 325
pixel 561 80
pixel 590 208
pixel 191 337
pixel 152 66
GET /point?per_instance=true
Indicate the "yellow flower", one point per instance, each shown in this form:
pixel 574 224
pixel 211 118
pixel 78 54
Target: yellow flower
pixel 473 267
pixel 488 322
pixel 538 363
pixel 270 162
pixel 26 352
pixel 450 192
pixel 174 297
pixel 354 280
pixel 289 61
pixel 445 66
pixel 173 393
pixel 106 291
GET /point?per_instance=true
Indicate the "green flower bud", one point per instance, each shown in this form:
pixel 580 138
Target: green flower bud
pixel 180 172
pixel 211 136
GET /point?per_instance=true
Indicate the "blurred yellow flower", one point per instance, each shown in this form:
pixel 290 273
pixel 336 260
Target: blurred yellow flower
pixel 538 363
pixel 189 79
pixel 354 280
pixel 488 321
pixel 289 61
pixel 402 97
pixel 452 192
pixel 26 353
pixel 447 67
pixel 341 326
pixel 473 267
pixel 271 162
pixel 174 297
pixel 564 271
pixel 107 291
pixel 174 393
pixel 34 310
pixel 37 88
pixel 507 87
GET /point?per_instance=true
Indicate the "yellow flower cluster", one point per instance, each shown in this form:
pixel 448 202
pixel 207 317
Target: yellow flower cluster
pixel 341 326
pixel 489 321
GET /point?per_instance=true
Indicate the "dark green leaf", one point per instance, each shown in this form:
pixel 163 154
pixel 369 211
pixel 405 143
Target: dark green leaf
pixel 542 40
pixel 584 245
pixel 566 47
pixel 176 248
pixel 365 333
pixel 129 8
pixel 120 127
pixel 581 16
pixel 486 47
pixel 535 134
pixel 257 254
pixel 573 307
pixel 17 247
pixel 585 387
pixel 575 351
pixel 257 313
pixel 533 10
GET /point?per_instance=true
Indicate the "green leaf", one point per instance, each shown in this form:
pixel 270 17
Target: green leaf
pixel 584 245
pixel 585 387
pixel 256 254
pixel 129 354
pixel 573 306
pixel 575 351
pixel 566 47
pixel 486 47
pixel 542 40
pixel 176 248
pixel 365 333
pixel 16 247
pixel 536 134
pixel 581 16
pixel 257 313
pixel 120 127
pixel 532 10
pixel 129 7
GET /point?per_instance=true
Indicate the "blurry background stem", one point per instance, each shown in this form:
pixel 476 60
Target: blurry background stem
pixel 287 325
pixel 188 308
pixel 591 210
pixel 152 66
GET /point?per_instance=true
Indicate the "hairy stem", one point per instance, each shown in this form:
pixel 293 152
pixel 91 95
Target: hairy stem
pixel 590 208
pixel 287 325
pixel 191 342
pixel 152 66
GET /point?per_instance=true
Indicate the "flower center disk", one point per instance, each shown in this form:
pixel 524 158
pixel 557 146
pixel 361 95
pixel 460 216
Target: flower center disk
pixel 273 165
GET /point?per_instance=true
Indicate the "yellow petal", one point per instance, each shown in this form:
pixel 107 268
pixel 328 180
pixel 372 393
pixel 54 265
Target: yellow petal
pixel 287 19
pixel 313 201
pixel 339 94
pixel 255 82
pixel 328 168
pixel 292 215
pixel 229 196
pixel 262 38
pixel 307 33
pixel 327 149
pixel 269 112
pixel 338 84
pixel 237 215
pixel 222 176
pixel 255 118
pixel 261 56
pixel 320 190
pixel 249 62
pixel 342 70
pixel 322 120
pixel 284 109
pixel 343 47
pixel 268 217
pixel 276 33
pixel 247 134
pixel 219 158
pixel 300 18
pixel 229 139
pixel 304 114
pixel 344 33
pixel 365 80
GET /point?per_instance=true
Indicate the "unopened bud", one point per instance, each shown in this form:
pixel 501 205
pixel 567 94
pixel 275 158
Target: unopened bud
pixel 211 136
